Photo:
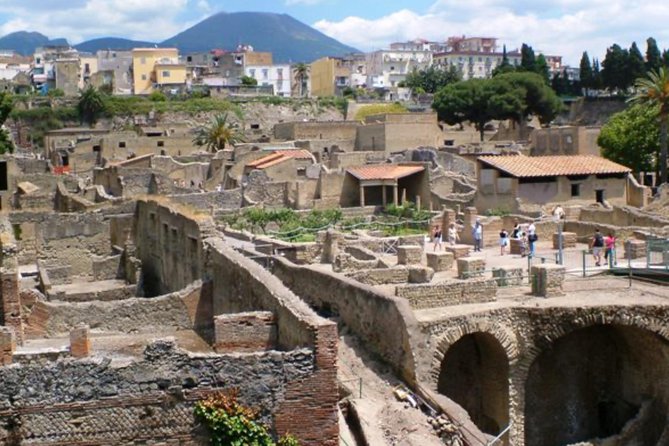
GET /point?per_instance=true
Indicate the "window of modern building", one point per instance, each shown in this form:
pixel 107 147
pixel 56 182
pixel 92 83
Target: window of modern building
pixel 166 74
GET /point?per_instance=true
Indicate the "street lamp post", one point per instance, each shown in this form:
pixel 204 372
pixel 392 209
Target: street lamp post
pixel 558 215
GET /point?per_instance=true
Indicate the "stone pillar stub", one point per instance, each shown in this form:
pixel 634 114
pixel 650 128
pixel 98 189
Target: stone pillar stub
pixel 80 341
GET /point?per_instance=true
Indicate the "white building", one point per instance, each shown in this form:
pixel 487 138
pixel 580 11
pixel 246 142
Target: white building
pixel 474 64
pixel 387 68
pixel 277 76
pixel 9 70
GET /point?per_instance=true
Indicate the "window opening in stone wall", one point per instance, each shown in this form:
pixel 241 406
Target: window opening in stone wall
pixel 575 190
pixel 121 144
pixel 3 175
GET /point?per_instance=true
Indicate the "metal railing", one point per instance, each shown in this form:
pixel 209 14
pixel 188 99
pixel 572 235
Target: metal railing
pixel 499 437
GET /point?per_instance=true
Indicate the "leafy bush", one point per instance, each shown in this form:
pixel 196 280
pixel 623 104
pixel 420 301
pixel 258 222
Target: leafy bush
pixel 157 96
pixel 232 424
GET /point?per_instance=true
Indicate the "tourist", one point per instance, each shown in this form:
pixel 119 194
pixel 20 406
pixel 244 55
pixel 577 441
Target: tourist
pixel 610 251
pixel 532 237
pixel 516 230
pixel 503 241
pixel 596 245
pixel 477 235
pixel 436 238
pixel 453 236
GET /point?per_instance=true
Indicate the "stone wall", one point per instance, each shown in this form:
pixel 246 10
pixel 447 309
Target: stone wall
pixel 63 239
pixel 125 316
pixel 169 245
pixel 451 292
pixel 96 401
pixel 228 199
pixel 386 324
pixel 237 285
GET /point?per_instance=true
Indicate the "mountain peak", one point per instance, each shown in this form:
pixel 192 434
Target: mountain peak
pixel 288 39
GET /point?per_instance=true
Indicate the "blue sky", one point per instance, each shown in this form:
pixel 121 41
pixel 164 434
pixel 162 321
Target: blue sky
pixel 564 27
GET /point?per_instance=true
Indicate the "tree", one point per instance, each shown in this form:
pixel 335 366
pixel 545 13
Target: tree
pixel 665 58
pixel 631 138
pixel 91 105
pixel 6 105
pixel 654 90
pixel 585 71
pixel 541 68
pixel 615 76
pixel 538 99
pixel 478 101
pixel 249 81
pixel 596 75
pixel 505 66
pixel 301 73
pixel 431 79
pixel 218 134
pixel 636 67
pixel 463 101
pixel 653 55
pixel 528 61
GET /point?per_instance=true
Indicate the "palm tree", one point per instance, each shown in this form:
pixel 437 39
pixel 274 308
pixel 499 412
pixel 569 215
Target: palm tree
pixel 218 133
pixel 654 90
pixel 91 105
pixel 301 72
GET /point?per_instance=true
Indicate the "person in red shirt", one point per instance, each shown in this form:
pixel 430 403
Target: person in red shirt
pixel 610 251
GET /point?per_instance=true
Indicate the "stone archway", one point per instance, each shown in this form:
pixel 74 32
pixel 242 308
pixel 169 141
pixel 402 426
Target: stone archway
pixel 474 372
pixel 591 382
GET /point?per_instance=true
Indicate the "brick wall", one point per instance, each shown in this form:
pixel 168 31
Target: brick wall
pixel 250 331
pixel 452 292
pixel 84 402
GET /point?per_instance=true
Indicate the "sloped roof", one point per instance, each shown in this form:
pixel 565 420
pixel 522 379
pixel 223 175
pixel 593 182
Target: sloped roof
pixel 384 171
pixel 279 156
pixel 521 166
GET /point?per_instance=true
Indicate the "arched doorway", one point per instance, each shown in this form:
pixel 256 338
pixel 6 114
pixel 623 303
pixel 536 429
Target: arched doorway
pixel 590 383
pixel 475 374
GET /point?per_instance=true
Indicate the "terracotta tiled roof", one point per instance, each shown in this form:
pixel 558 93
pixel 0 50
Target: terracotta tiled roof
pixel 521 166
pixel 277 157
pixel 384 171
pixel 301 154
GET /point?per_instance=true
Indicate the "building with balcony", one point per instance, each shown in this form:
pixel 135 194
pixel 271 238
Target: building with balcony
pixel 419 45
pixel 275 76
pixel 387 68
pixel 156 66
pixel 329 76
pixel 472 64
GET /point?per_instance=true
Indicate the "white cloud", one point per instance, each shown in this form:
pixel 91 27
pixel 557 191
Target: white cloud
pixel 83 19
pixel 564 27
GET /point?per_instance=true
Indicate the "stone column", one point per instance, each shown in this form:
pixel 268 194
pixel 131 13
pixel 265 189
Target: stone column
pixel 80 341
pixel 547 280
pixel 7 345
pixel 362 196
pixel 395 194
pixel 447 218
pixel 383 193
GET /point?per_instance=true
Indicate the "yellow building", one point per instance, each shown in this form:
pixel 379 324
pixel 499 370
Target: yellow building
pixel 145 64
pixel 89 66
pixel 170 74
pixel 328 76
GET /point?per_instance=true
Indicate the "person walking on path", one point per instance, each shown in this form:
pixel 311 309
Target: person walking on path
pixel 532 237
pixel 436 237
pixel 597 244
pixel 503 241
pixel 610 251
pixel 477 235
pixel 453 236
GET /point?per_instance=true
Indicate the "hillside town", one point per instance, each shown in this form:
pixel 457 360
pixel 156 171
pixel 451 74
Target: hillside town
pixel 242 70
pixel 429 244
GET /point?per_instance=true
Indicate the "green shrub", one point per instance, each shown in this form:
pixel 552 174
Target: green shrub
pixel 157 96
pixel 232 424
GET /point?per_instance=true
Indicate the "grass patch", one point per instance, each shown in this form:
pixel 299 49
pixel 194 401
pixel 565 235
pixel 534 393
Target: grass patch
pixel 379 109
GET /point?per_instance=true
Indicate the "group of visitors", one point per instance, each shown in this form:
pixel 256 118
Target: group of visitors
pixel 607 244
pixel 526 234
pixel 451 234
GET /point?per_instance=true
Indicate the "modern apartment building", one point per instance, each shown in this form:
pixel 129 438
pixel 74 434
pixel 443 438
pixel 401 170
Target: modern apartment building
pixel 387 68
pixel 156 66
